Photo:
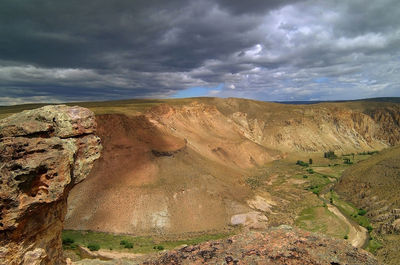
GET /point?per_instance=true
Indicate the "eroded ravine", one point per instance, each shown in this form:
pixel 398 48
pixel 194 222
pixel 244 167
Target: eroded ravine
pixel 358 235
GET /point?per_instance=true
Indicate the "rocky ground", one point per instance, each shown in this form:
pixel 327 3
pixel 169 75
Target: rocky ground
pixel 282 245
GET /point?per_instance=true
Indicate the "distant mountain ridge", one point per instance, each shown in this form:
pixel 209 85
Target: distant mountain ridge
pixel 306 102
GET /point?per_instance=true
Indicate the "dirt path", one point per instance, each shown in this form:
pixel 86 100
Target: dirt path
pixel 358 235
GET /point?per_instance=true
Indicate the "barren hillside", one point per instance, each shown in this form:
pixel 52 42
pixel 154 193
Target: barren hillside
pixel 181 166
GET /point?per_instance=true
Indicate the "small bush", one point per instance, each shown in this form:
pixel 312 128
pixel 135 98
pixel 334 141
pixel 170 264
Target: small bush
pixel 158 247
pixel 123 242
pixel 301 163
pixel 362 212
pixel 93 246
pixel 346 237
pixel 310 161
pixel 369 153
pixel 128 245
pixel 310 170
pixel 330 155
pixel 67 241
pixel 331 200
pixel 347 161
pixel 305 176
pixel 369 228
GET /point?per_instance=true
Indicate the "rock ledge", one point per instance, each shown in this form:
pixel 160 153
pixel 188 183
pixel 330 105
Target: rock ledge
pixel 43 154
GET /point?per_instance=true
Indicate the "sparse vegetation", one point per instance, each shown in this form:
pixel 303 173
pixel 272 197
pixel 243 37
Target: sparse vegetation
pixel 253 182
pixel 93 246
pixel 67 241
pixel 310 161
pixel 301 163
pixel 368 153
pixel 362 212
pixel 126 244
pixel 158 247
pixel 330 155
pixel 373 245
pixel 347 161
pixel 140 244
pixel 320 219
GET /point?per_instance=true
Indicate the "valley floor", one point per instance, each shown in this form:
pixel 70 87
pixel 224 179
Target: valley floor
pixel 285 193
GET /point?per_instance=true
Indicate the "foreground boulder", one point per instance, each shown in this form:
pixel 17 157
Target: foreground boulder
pixel 43 154
pixel 282 245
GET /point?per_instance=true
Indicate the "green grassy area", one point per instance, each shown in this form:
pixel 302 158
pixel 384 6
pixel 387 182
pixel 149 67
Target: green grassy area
pixel 373 246
pixel 320 219
pixel 140 244
pixel 350 210
pixel 317 182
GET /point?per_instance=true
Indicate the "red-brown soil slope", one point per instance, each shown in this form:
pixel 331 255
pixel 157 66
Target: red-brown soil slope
pixel 178 168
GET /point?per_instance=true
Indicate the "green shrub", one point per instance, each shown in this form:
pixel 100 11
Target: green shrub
pixel 330 155
pixel 158 247
pixel 369 228
pixel 346 237
pixel 369 153
pixel 310 170
pixel 301 163
pixel 362 212
pixel 310 161
pixel 128 245
pixel 67 241
pixel 347 161
pixel 123 242
pixel 93 246
pixel 305 176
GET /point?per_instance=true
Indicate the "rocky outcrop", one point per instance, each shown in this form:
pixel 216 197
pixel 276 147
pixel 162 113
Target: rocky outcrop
pixel 389 120
pixel 43 154
pixel 282 245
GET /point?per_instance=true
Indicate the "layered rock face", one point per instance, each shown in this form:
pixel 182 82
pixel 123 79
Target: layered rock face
pixel 43 154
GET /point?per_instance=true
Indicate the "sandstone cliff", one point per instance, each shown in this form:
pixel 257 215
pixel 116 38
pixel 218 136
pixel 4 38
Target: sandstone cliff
pixel 43 154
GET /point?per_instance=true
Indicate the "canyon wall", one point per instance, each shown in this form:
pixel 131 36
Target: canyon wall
pixel 183 168
pixel 43 154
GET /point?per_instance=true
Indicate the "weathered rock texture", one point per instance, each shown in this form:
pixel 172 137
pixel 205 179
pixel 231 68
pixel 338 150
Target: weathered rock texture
pixel 283 245
pixel 43 154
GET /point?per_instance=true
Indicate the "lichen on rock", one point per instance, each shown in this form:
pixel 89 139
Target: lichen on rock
pixel 43 154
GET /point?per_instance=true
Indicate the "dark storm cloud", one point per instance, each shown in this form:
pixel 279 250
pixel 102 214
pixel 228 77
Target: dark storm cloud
pixel 252 6
pixel 274 50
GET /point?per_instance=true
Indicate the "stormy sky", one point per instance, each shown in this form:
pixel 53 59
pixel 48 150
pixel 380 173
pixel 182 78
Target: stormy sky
pixel 57 51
